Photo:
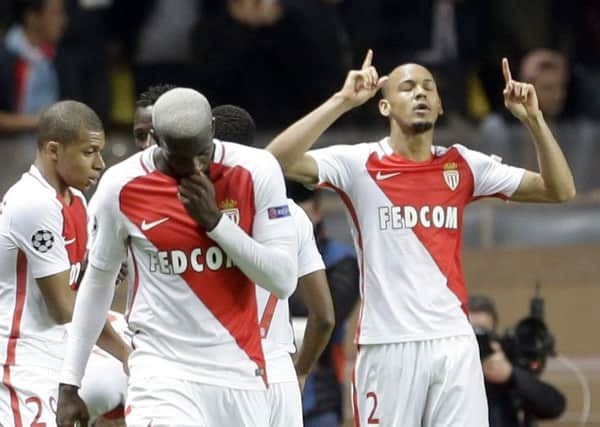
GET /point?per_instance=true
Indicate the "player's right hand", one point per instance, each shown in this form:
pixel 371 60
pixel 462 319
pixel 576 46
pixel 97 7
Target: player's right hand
pixel 197 194
pixel 70 408
pixel 362 85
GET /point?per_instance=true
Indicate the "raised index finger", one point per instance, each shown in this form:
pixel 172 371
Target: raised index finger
pixel 506 70
pixel 368 59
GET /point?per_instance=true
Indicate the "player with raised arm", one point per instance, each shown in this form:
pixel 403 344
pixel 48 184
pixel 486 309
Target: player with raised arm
pixel 43 240
pixel 418 361
pixel 203 219
pixel 235 124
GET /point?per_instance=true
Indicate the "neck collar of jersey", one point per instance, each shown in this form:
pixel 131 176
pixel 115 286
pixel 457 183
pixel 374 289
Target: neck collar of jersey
pixel 37 174
pixel 388 150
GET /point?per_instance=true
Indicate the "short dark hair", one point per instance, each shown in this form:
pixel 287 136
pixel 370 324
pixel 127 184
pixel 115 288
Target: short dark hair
pixel 24 6
pixel 483 304
pixel 63 122
pixel 234 124
pixel 149 97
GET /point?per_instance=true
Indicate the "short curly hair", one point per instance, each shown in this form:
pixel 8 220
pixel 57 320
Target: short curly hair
pixel 234 124
pixel 151 94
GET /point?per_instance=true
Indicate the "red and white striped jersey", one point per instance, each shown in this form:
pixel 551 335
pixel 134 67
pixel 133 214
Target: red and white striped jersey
pixel 406 219
pixel 192 313
pixel 274 313
pixel 40 235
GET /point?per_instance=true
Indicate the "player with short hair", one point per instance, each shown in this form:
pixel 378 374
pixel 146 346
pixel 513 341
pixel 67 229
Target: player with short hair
pixel 233 123
pixel 418 361
pixel 43 241
pixel 104 384
pixel 203 219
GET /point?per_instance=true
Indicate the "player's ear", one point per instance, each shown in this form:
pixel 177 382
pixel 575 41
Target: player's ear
pixel 52 148
pixel 384 107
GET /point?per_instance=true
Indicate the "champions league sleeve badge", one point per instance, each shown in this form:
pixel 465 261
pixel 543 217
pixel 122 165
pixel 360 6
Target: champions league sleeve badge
pixel 42 240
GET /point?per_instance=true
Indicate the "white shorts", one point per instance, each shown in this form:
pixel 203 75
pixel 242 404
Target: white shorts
pixel 159 402
pixel 285 405
pixel 433 383
pixel 104 385
pixel 28 397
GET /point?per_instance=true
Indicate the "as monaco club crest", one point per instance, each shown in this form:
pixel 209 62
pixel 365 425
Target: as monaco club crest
pixel 229 208
pixel 451 175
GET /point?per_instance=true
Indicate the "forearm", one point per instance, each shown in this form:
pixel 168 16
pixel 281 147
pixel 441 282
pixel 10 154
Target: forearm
pixel 112 343
pixel 314 293
pixel 91 307
pixel 554 169
pixel 271 265
pixel 316 337
pixel 290 145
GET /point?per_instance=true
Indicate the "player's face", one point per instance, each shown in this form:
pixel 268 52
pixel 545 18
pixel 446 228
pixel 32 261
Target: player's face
pixel 411 98
pixel 142 125
pixel 186 157
pixel 80 163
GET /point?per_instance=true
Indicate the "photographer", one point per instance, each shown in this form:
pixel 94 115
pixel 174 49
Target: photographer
pixel 516 397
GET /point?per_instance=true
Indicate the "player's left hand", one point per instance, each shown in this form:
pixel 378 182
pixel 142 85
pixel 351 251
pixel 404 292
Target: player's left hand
pixel 197 194
pixel 520 98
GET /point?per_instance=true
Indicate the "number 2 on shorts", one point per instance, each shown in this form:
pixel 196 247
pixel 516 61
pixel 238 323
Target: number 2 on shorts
pixel 38 402
pixel 372 419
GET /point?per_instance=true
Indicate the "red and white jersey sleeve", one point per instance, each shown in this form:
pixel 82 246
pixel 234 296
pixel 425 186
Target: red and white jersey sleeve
pixel 274 314
pixel 491 177
pixel 406 221
pixel 40 236
pixel 108 234
pixel 192 314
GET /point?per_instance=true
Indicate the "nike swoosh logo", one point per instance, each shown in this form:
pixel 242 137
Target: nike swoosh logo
pixel 381 176
pixel 68 242
pixel 149 225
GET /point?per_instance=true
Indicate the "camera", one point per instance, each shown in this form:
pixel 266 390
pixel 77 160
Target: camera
pixel 528 344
